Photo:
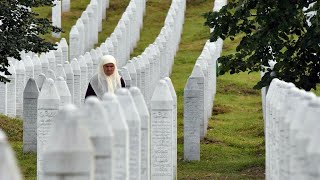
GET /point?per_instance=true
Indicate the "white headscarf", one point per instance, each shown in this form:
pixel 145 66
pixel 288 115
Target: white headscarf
pixel 101 83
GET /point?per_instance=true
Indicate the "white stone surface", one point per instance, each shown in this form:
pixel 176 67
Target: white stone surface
pixel 58 55
pixel 85 21
pixel 20 84
pixel 52 60
pixel 56 16
pixel 81 30
pixel 63 91
pixel 138 71
pixel 11 91
pixel 8 164
pixel 72 156
pixel 95 61
pixel 30 102
pixel 65 50
pixel 84 77
pixel 133 73
pixel 134 125
pixel 124 73
pixel 121 136
pixel 191 121
pixel 145 131
pixel 48 106
pixel 96 120
pixel 60 72
pixel 51 74
pixel 40 80
pixel 37 65
pixel 198 75
pixel 77 82
pixel 89 62
pixel 70 77
pixel 74 42
pixel 3 96
pixel 161 132
pixel 28 64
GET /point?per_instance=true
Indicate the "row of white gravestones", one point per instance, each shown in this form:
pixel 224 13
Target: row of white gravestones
pixel 292 150
pixel 199 95
pixel 132 159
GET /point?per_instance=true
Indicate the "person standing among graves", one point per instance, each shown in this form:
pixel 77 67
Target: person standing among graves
pixel 107 79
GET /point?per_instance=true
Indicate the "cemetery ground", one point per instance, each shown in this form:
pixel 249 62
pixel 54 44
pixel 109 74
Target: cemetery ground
pixel 234 145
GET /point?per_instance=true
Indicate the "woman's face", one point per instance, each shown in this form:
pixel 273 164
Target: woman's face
pixel 108 69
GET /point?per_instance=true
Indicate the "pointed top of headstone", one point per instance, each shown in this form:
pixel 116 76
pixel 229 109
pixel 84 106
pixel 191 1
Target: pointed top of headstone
pixel 67 68
pixel 82 61
pixel 88 57
pixel 95 118
pixel 170 85
pixel 75 65
pixel 131 67
pixel 58 48
pixel 85 17
pixel 63 43
pixel 51 54
pixel 49 90
pixel 74 31
pixel 108 97
pixel 31 90
pixel 60 71
pixel 197 71
pixel 20 67
pixel 51 74
pixel 28 62
pixel 40 80
pixel 162 92
pixel 127 104
pixel 192 84
pixel 79 22
pixel 43 58
pixel 139 101
pixel 62 87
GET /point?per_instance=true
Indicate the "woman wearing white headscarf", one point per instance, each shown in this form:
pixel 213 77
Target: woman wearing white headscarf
pixel 107 79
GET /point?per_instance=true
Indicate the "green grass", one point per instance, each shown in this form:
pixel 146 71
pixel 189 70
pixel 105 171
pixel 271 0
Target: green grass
pixel 234 146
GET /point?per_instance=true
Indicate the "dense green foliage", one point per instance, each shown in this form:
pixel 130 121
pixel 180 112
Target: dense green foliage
pixel 21 29
pixel 272 30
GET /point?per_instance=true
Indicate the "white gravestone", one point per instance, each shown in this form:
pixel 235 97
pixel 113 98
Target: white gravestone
pixel 191 120
pixel 48 106
pixel 81 30
pixel 63 91
pixel 74 42
pixel 65 5
pixel 126 76
pixel 121 136
pixel 198 75
pixel 52 60
pixel 8 165
pixel 85 21
pixel 91 27
pixel 3 96
pixel 147 78
pixel 134 124
pixel 96 120
pixel 58 55
pixel 133 73
pixel 20 84
pixel 100 15
pixel 204 67
pixel 11 91
pixel 72 156
pixel 51 75
pixel 84 77
pixel 40 80
pixel 77 82
pixel 60 72
pixel 70 77
pixel 65 50
pixel 145 132
pixel 28 64
pixel 56 17
pixel 89 62
pixel 95 61
pixel 37 65
pixel 161 132
pixel 30 101
pixel 138 70
pixel 175 125
pixel 94 5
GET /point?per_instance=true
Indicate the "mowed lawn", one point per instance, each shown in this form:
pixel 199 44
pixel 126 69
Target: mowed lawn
pixel 234 146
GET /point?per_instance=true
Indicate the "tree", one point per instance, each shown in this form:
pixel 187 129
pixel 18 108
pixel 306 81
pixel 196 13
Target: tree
pixel 272 30
pixel 20 29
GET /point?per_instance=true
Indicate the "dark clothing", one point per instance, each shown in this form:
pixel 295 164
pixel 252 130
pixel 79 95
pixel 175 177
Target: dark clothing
pixel 90 91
